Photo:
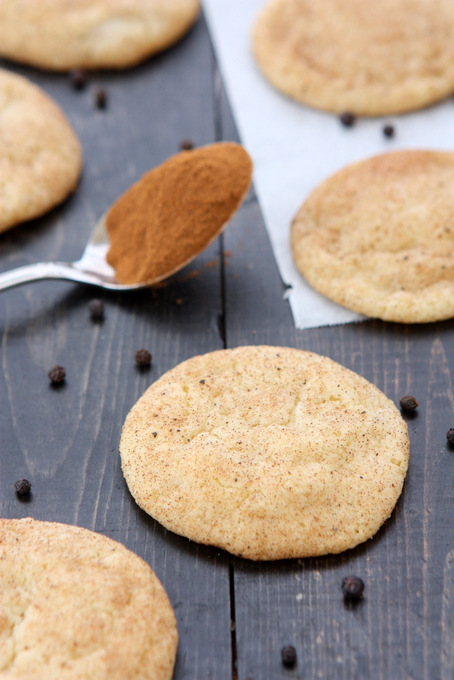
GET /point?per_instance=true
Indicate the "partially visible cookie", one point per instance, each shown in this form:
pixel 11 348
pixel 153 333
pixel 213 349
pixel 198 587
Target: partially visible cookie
pixel 40 160
pixel 267 452
pixel 77 605
pixel 378 237
pixel 65 34
pixel 367 58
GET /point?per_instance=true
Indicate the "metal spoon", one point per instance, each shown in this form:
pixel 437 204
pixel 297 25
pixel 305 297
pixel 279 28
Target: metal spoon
pixel 92 268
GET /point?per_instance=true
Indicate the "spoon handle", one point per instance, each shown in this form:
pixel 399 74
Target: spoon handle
pixel 45 270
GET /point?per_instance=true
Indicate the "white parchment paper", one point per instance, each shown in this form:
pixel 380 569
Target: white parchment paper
pixel 294 147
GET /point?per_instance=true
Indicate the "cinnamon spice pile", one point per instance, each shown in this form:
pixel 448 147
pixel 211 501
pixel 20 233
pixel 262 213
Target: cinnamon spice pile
pixel 175 211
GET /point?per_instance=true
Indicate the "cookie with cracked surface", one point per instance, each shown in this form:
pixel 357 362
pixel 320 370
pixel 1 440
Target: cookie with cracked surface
pixel 378 237
pixel 41 157
pixel 267 452
pixel 65 34
pixel 78 605
pixel 368 58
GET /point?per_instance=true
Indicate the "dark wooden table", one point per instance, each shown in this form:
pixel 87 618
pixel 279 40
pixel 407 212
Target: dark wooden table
pixel 233 615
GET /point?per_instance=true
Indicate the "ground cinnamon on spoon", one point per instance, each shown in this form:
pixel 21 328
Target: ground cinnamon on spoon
pixel 175 211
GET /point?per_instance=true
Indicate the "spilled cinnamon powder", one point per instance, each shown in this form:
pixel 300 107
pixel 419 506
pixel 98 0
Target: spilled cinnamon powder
pixel 175 211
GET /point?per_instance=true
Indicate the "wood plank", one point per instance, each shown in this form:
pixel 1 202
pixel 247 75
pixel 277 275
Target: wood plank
pixel 404 626
pixel 66 440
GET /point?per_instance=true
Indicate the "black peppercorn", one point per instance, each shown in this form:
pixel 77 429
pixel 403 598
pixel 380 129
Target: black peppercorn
pixel 186 145
pixel 142 357
pixel 78 78
pixel 352 587
pixel 450 436
pixel 388 131
pixel 408 404
pixel 57 375
pixel 96 309
pixel 347 119
pixel 101 99
pixel 288 656
pixel 22 487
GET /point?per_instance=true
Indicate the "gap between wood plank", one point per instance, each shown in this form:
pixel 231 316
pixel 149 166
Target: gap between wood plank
pixel 233 620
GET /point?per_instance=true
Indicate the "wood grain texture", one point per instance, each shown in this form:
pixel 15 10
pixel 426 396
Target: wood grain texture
pixel 404 626
pixel 65 440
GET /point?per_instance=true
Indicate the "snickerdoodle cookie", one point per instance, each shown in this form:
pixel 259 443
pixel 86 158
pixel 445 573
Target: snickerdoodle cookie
pixel 40 160
pixel 378 237
pixel 369 58
pixel 268 452
pixel 77 605
pixel 65 34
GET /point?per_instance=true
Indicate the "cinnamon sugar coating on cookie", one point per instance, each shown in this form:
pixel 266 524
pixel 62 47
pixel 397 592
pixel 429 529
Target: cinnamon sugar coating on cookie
pixel 378 237
pixel 267 452
pixel 67 34
pixel 368 58
pixel 41 157
pixel 77 605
